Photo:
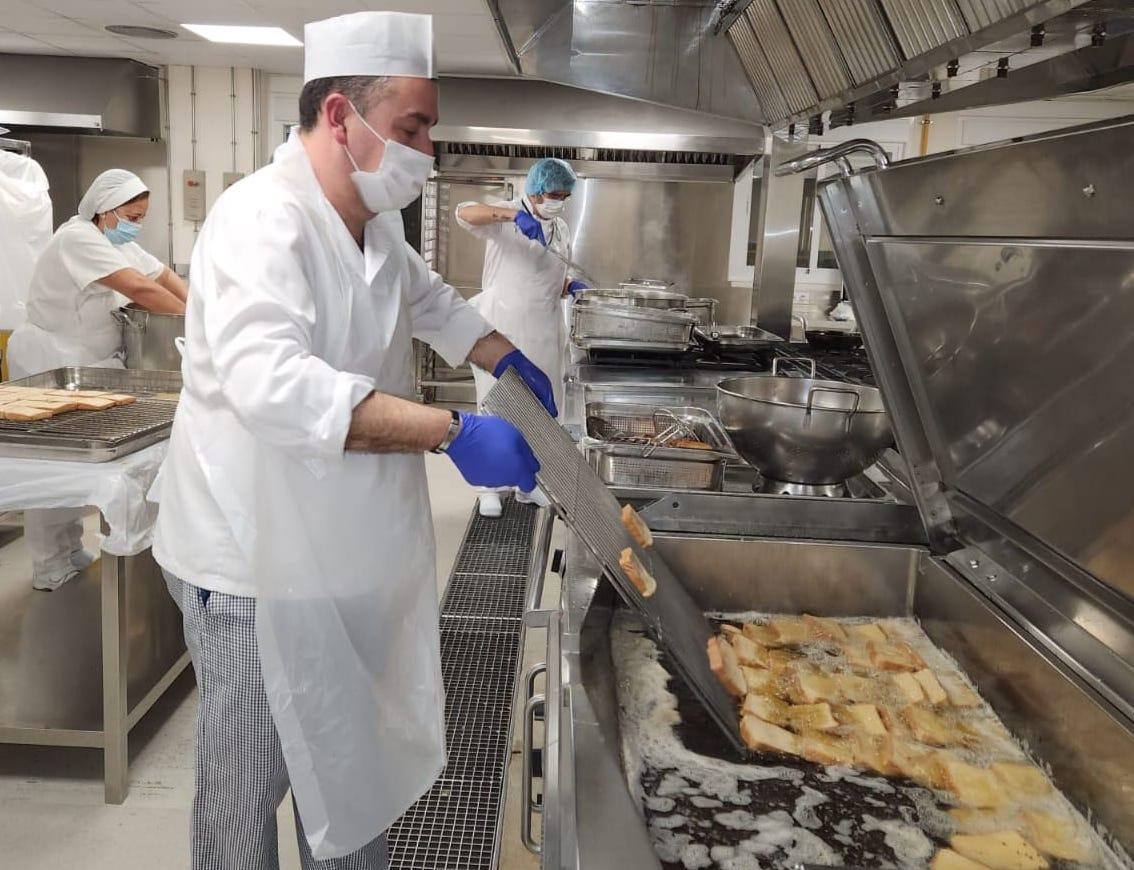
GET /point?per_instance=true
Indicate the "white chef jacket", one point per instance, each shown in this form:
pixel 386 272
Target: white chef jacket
pixel 25 230
pixel 69 319
pixel 523 289
pixel 289 326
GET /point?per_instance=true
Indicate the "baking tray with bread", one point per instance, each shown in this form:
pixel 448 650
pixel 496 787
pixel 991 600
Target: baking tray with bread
pixel 86 414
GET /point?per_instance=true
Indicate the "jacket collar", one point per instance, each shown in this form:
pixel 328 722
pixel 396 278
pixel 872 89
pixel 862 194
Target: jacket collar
pixel 381 234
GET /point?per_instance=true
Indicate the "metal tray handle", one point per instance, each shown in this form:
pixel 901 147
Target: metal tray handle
pixel 795 359
pixel 528 806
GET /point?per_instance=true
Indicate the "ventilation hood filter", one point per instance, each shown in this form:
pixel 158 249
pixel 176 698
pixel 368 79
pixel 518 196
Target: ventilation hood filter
pixel 787 66
pixel 812 34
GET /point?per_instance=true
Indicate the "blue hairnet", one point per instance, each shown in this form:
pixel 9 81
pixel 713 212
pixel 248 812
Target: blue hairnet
pixel 550 174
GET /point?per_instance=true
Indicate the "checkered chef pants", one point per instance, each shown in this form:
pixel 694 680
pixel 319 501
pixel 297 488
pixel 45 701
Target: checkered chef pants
pixel 240 773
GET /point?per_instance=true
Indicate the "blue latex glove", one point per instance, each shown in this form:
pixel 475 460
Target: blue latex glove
pixel 490 451
pixel 529 226
pixel 537 381
pixel 577 286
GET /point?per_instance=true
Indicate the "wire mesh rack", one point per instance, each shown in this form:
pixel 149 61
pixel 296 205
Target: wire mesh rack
pixel 499 546
pixel 456 824
pixel 95 436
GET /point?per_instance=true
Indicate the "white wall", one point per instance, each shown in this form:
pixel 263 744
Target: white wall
pixel 216 129
pixel 148 160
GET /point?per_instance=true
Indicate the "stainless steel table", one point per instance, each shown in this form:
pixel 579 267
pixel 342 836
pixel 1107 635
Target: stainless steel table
pixel 82 665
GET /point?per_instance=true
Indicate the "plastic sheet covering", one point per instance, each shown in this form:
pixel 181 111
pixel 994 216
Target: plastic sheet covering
pixel 117 488
pixel 25 230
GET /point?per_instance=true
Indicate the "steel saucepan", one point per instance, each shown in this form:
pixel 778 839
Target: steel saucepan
pixel 150 339
pixel 803 430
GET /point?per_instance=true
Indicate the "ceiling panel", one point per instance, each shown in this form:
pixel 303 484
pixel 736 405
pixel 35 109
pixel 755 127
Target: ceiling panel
pixel 467 42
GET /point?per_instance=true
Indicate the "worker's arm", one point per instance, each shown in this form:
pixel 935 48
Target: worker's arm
pixel 174 283
pixel 146 292
pixel 479 214
pixel 455 329
pixel 382 423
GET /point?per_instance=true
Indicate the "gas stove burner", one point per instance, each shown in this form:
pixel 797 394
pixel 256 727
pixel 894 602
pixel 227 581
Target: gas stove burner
pixel 779 487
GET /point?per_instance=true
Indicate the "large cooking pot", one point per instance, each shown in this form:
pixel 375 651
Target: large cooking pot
pixel 803 430
pixel 151 339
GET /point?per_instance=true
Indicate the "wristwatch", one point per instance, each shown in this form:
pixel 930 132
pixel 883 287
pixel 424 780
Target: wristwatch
pixel 451 435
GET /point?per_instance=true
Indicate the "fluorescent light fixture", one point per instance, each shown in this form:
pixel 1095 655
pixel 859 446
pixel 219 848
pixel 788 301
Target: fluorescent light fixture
pixel 244 35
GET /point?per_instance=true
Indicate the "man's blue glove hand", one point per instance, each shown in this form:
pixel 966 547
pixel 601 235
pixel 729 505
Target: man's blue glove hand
pixel 577 286
pixel 529 226
pixel 536 380
pixel 490 451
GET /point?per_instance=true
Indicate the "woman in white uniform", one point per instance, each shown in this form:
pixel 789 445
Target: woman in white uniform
pixel 89 261
pixel 523 283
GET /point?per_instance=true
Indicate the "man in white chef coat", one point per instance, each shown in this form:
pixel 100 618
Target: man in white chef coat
pixel 294 523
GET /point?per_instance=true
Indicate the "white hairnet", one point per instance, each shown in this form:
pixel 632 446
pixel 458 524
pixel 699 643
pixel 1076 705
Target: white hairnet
pixel 110 190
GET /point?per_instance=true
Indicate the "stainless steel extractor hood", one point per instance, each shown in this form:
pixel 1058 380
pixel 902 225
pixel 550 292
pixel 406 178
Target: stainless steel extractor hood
pixel 776 62
pixel 80 95
pixel 665 52
pixel 518 114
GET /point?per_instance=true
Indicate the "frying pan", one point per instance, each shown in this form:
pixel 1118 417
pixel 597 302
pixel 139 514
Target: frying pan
pixel 832 339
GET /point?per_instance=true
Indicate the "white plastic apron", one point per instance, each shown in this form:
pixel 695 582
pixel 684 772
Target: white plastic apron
pixel 344 558
pixel 523 300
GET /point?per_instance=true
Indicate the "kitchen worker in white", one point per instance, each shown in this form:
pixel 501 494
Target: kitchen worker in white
pixel 70 323
pixel 294 522
pixel 523 283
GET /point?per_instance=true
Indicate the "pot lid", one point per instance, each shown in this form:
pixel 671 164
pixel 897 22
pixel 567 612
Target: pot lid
pixel 996 313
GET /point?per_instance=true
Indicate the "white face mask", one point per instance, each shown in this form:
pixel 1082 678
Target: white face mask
pixel 399 178
pixel 550 208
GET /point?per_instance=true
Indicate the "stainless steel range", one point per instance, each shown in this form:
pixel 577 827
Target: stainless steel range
pixel 1020 570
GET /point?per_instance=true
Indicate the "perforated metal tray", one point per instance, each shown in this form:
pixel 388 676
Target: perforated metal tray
pixel 96 436
pixel 632 465
pixel 671 616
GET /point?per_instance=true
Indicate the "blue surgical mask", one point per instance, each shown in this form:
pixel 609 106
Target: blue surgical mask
pixel 126 231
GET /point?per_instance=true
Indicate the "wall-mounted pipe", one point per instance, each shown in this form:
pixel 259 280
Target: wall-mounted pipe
pixel 827 155
pixel 232 99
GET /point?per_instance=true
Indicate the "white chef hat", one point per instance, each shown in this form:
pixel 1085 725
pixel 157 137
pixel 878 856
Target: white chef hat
pixel 369 44
pixel 111 189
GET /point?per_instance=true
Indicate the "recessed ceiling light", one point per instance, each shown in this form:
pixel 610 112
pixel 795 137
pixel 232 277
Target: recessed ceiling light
pixel 139 31
pixel 244 35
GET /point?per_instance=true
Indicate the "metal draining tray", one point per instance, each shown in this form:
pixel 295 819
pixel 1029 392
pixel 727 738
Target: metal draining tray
pixel 582 500
pixel 96 436
pixel 633 421
pixel 634 465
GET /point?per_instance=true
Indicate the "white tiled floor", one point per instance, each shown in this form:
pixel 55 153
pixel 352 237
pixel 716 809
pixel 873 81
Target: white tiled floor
pixel 52 815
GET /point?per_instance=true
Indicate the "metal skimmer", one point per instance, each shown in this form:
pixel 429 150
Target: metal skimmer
pixel 671 616
pixel 456 824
